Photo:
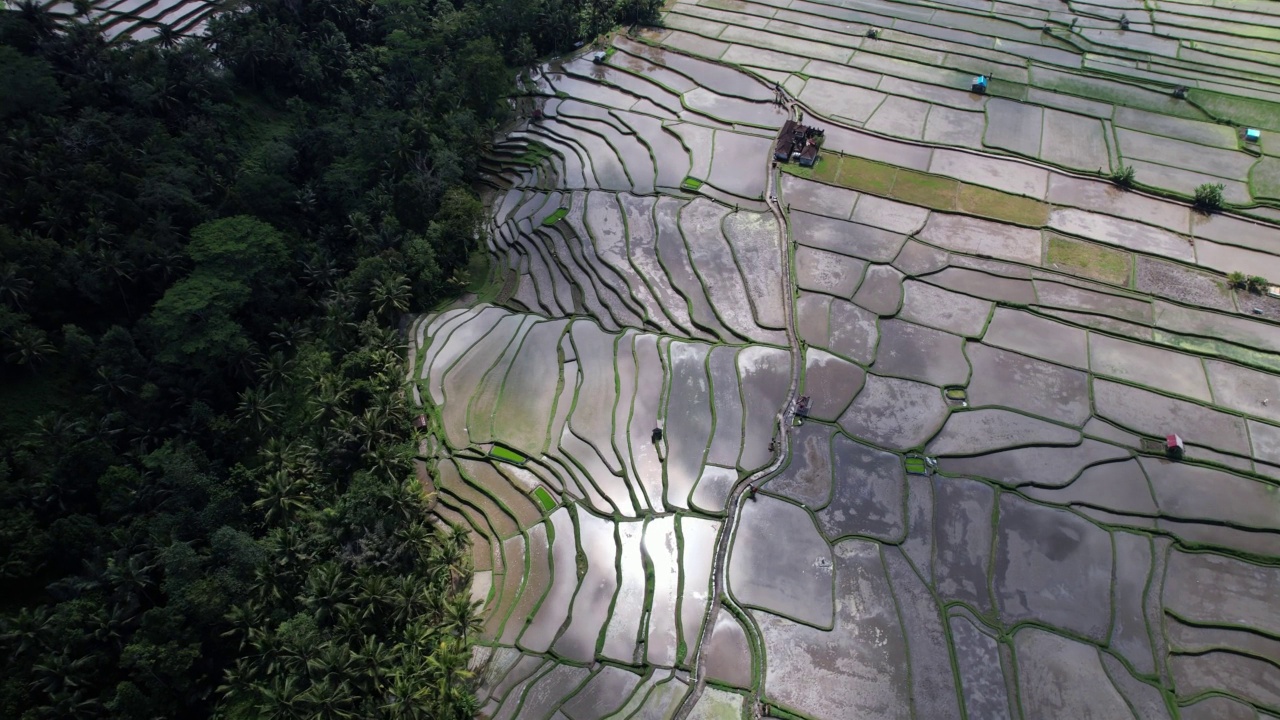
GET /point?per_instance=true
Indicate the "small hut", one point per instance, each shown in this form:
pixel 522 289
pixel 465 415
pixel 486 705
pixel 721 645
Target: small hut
pixel 1173 447
pixel 979 85
pixel 798 142
pixel 420 422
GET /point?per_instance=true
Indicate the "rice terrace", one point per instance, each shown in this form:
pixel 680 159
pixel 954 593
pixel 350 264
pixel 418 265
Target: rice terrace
pixel 874 359
pixel 887 436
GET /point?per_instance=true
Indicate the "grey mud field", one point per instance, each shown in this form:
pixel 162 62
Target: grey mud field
pixel 977 519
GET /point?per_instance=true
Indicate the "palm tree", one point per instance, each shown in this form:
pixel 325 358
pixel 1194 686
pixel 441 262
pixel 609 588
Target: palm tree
pixel 281 497
pixel 38 17
pixel 23 633
pixel 334 662
pixel 330 700
pixel 289 333
pixel 258 409
pixel 14 288
pixel 110 627
pixel 272 588
pixel 328 591
pixel 274 370
pixel 113 383
pixel 72 705
pixel 391 295
pixel 462 616
pixel 319 273
pixel 329 399
pixel 53 433
pixel 61 677
pixel 28 346
pixel 110 263
pixel 283 699
pixel 130 576
pixel 376 659
pixel 167 37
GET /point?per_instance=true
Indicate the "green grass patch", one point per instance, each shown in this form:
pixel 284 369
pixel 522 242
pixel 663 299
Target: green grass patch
pixel 534 154
pixel 867 175
pixel 731 5
pixel 555 217
pixel 1006 89
pixel 1002 206
pixel 916 466
pixel 508 455
pixel 826 169
pixel 1097 262
pixel 544 499
pixel 1219 348
pixel 1264 178
pixel 691 183
pixel 1252 112
pixel 1114 93
pixel 478 280
pixel 777 712
pixel 956 393
pixel 800 172
pixel 920 188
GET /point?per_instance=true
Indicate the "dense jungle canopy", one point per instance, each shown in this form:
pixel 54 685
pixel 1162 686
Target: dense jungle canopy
pixel 206 246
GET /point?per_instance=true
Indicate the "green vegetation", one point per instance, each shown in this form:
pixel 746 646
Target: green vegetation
pixel 865 175
pixel 205 452
pixel 555 217
pixel 919 188
pixel 1123 176
pixel 1237 109
pixel 691 183
pixel 544 499
pixel 1209 196
pixel 777 712
pixel 533 155
pixel 506 454
pixel 1090 260
pixel 978 200
pixel 916 466
pixel 476 278
pixel 1258 284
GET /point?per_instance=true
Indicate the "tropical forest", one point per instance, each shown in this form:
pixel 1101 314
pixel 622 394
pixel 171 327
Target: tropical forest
pixel 208 247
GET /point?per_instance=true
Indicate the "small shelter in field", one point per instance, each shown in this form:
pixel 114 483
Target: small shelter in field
pixel 1173 447
pixel 798 142
pixel 420 422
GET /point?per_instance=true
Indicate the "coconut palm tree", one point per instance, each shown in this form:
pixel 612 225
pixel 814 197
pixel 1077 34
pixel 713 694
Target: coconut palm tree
pixel 14 286
pixel 462 616
pixel 258 409
pixel 37 17
pixel 29 347
pixel 282 497
pixel 391 295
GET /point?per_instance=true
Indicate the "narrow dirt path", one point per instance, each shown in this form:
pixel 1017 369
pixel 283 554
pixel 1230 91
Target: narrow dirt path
pixel 724 542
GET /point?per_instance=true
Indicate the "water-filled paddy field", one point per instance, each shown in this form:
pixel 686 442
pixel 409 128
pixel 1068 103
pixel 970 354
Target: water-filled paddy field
pixel 912 402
